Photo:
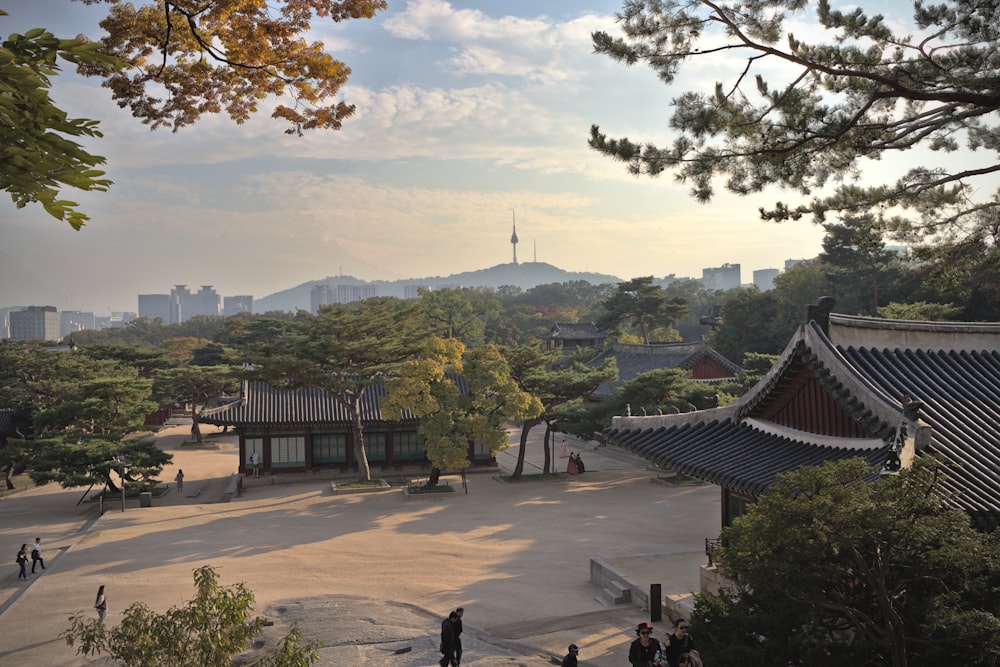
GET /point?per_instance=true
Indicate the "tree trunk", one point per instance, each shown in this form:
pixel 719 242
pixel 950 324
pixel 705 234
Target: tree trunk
pixel 549 465
pixel 434 478
pixel 195 428
pixel 360 456
pixel 519 467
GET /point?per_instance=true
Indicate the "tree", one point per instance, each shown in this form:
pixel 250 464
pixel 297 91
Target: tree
pixel 461 313
pixel 643 305
pixel 226 55
pixel 210 630
pixel 921 310
pixel 451 419
pixel 553 384
pixel 665 390
pixel 832 568
pixel 344 350
pixel 865 93
pixel 755 321
pixel 965 271
pixel 78 412
pixel 169 62
pixel 195 385
pixel 857 262
pixel 37 155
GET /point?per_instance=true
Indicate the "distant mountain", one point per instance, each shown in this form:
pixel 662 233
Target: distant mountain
pixel 525 275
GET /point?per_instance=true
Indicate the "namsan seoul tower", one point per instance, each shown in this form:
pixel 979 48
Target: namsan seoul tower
pixel 513 237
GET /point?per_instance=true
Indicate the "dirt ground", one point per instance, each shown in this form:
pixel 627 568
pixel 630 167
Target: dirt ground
pixel 369 575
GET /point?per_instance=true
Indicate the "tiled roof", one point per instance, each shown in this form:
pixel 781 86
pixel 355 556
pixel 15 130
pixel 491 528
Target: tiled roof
pixel 634 360
pixel 263 405
pixel 742 456
pixel 960 393
pixel 7 426
pixel 870 368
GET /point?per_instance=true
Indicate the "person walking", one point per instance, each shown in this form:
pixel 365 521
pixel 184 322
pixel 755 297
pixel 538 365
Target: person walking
pixel 36 554
pixel 678 644
pixel 254 464
pixel 448 640
pixel 571 658
pixel 22 562
pixel 101 604
pixel 458 637
pixel 645 651
pixel 179 479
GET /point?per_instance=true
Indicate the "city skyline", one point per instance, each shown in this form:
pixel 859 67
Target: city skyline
pixel 709 277
pixel 467 111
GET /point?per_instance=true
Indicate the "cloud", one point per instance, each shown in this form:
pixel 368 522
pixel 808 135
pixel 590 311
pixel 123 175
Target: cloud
pixel 539 50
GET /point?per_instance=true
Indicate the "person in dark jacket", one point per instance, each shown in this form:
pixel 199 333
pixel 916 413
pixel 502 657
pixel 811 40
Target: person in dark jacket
pixel 645 651
pixel 448 640
pixel 458 638
pixel 678 644
pixel 570 659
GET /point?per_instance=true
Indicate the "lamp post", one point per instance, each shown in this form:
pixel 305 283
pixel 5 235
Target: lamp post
pixel 121 476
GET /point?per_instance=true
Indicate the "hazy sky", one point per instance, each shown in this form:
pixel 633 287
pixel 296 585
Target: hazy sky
pixel 466 111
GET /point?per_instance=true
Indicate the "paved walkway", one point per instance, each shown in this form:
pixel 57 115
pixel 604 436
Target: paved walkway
pixel 367 574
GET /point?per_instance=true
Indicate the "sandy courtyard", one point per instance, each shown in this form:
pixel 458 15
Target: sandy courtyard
pixel 365 574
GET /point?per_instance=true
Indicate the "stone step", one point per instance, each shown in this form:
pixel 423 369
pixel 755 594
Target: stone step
pixel 621 590
pixel 614 595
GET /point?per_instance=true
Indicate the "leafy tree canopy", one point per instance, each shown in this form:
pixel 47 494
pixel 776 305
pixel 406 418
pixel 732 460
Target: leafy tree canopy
pixel 866 91
pixel 829 568
pixel 80 410
pixel 865 273
pixel 644 306
pixel 226 55
pixel 554 384
pixel 451 419
pixel 38 156
pixel 210 630
pixel 168 62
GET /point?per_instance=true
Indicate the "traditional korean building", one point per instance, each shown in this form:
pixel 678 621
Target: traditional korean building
pixel 700 359
pixel 572 337
pixel 308 430
pixel 882 390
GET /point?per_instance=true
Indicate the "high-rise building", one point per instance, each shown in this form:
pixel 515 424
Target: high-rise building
pixel 120 318
pixel 206 301
pixel 181 304
pixel 178 297
pixel 75 320
pixel 723 277
pixel 155 306
pixel 413 291
pixel 325 295
pixel 764 279
pixel 41 322
pixel 236 305
pixel 352 293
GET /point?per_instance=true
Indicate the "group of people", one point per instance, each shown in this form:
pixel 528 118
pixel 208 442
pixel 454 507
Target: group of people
pixel 677 650
pixel 575 465
pixel 35 556
pixel 451 639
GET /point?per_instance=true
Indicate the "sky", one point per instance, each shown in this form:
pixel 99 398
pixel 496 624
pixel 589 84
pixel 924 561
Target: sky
pixel 469 114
